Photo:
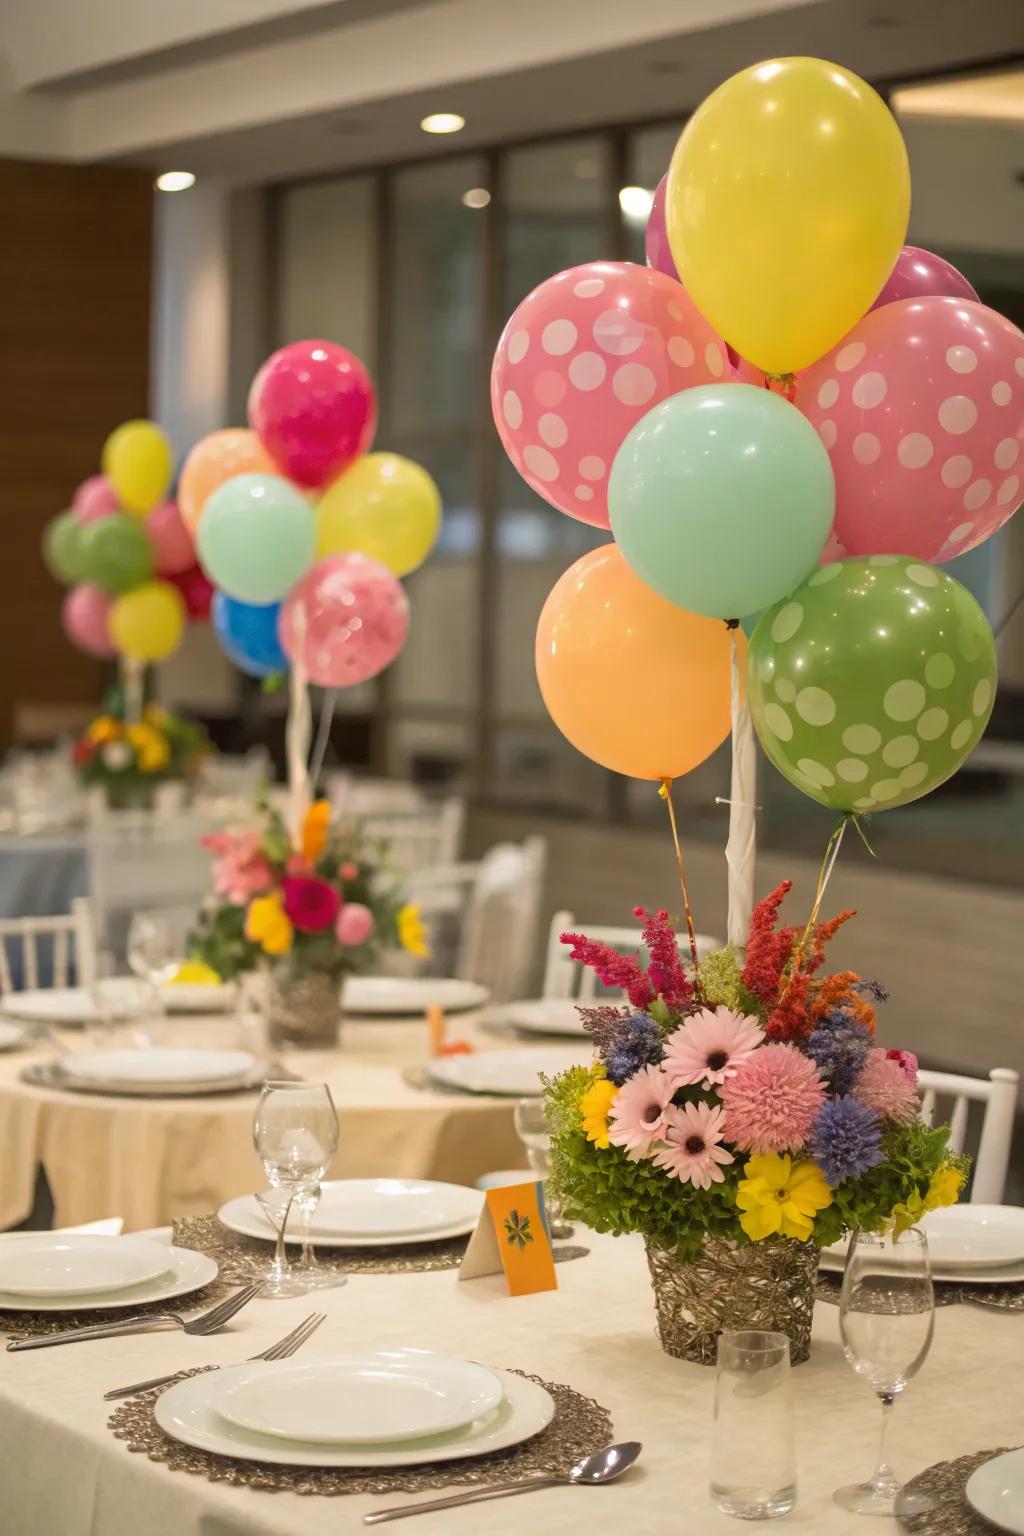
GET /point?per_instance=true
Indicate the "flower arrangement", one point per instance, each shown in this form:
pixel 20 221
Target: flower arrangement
pixel 745 1102
pixel 127 760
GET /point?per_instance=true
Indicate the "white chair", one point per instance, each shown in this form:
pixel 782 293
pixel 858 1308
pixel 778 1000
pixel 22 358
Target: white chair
pixel 70 936
pixel 565 977
pixel 235 775
pixel 421 839
pixel 998 1093
pixel 356 797
pixel 140 861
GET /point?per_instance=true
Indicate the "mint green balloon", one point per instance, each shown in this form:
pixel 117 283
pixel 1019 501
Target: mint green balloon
pixel 721 498
pixel 256 537
pixel 872 682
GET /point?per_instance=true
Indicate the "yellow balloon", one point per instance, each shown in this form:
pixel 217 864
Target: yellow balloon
pixel 384 506
pixel 787 204
pixel 138 461
pixel 147 623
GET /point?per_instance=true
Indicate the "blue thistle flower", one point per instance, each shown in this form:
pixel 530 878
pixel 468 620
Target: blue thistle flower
pixel 839 1049
pixel 635 1044
pixel 846 1140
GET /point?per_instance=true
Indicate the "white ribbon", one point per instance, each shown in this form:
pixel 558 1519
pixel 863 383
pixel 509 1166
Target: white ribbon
pixel 741 849
pixel 298 735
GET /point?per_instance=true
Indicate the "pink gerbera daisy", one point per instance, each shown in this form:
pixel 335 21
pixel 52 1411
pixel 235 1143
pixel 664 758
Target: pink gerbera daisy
pixel 884 1086
pixel 772 1101
pixel 692 1151
pixel 638 1115
pixel 709 1046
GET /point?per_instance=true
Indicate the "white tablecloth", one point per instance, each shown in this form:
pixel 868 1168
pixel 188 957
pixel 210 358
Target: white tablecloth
pixel 61 1471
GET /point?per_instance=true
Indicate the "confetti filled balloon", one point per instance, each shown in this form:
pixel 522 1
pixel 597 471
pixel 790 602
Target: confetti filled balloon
pixel 581 360
pixel 345 621
pixel 215 458
pixel 314 408
pixel 918 274
pixel 872 682
pixel 921 408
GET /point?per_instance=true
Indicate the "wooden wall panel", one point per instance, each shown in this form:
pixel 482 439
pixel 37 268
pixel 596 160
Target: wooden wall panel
pixel 75 261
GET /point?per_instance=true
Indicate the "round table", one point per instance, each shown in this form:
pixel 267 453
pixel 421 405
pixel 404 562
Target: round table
pixel 149 1160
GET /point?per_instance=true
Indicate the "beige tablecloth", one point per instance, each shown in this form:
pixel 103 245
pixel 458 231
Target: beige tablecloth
pixel 596 1333
pixel 150 1160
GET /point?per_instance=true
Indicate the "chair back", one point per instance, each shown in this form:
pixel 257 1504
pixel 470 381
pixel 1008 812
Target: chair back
pixel 48 950
pixel 998 1093
pixel 141 861
pixel 421 839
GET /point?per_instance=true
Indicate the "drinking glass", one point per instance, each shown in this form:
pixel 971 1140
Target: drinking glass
pixel 152 947
pixel 313 1274
pixel 533 1130
pixel 127 1008
pixel 753 1464
pixel 886 1320
pixel 295 1133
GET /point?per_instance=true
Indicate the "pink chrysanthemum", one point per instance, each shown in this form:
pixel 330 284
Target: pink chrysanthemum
pixel 693 1150
pixel 772 1101
pixel 710 1046
pixel 638 1115
pixel 884 1086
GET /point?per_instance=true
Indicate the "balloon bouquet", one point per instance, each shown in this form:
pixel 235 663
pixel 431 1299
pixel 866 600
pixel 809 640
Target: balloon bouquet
pixel 787 410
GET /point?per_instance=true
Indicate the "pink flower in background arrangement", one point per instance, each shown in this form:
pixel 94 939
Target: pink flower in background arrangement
pixel 693 1152
pixel 354 925
pixel 312 905
pixel 907 1060
pixel 298 866
pixel 638 1115
pixel 709 1047
pixel 240 870
pixel 772 1101
pixel 348 870
pixel 884 1086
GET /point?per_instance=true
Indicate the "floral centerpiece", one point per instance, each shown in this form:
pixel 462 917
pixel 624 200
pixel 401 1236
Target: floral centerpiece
pixel 308 912
pixel 741 1117
pixel 128 760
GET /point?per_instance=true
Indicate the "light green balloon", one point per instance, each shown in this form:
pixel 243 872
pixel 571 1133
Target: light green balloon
pixel 256 537
pixel 872 682
pixel 721 499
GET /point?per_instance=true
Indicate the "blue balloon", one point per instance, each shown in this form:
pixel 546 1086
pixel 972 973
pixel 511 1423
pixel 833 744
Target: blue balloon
pixel 248 635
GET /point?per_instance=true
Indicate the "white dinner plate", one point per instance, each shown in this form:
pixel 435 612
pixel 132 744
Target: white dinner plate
pixel 996 1491
pixel 540 1016
pixel 515 1073
pixel 391 1208
pixel 384 995
pixel 188 1412
pixel 187 997
pixel 243 1215
pixel 51 1005
pixel 962 1239
pixel 62 1263
pixel 11 1036
pixel 149 1067
pixel 185 1271
pixel 369 1399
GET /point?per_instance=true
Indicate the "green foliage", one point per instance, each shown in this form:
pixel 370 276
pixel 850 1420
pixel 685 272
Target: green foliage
pixel 218 940
pixel 912 1154
pixel 720 979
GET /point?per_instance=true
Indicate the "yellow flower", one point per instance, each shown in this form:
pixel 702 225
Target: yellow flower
pixel 594 1107
pixel 780 1198
pixel 412 934
pixel 314 830
pixel 151 749
pixel 268 925
pixel 155 714
pixel 944 1189
pixel 103 729
pixel 194 973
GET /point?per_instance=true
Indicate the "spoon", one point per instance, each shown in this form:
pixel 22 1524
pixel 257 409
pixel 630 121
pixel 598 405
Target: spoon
pixel 602 1467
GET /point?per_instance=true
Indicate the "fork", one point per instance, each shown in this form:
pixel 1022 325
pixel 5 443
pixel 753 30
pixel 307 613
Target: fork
pixel 279 1351
pixel 206 1322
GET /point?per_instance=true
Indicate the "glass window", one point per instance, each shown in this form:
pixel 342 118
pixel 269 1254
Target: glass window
pixel 650 151
pixel 326 264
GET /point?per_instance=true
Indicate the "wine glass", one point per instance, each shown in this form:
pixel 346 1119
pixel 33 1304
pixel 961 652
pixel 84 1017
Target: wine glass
pixel 886 1320
pixel 152 950
pixel 311 1272
pixel 533 1130
pixel 126 1007
pixel 295 1133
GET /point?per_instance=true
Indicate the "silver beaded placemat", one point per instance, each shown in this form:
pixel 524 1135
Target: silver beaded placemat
pixel 246 1258
pixel 579 1427
pixel 1001 1298
pixel 946 1482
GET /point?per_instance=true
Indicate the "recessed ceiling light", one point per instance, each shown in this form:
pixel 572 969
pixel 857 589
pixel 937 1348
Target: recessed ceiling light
pixel 442 122
pixel 476 197
pixel 635 203
pixel 175 181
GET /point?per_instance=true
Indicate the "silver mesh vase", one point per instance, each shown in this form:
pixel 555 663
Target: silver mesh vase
pixel 304 1011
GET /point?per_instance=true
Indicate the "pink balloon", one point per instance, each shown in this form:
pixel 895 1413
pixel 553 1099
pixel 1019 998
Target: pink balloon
pixel 355 924
pixel 921 407
pixel 314 408
pixel 659 254
pixel 918 274
pixel 85 614
pixel 197 591
pixel 582 359
pixel 345 620
pixel 95 498
pixel 173 549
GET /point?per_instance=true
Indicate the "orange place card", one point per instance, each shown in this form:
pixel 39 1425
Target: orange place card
pixel 512 1235
pixel 435 1029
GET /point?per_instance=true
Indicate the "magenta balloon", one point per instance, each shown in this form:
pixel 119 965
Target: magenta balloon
pixel 85 615
pixel 314 408
pixel 345 620
pixel 656 244
pixel 173 549
pixel 95 498
pixel 921 408
pixel 919 274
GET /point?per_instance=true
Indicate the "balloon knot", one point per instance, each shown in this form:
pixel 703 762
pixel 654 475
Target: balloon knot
pixel 664 787
pixel 732 623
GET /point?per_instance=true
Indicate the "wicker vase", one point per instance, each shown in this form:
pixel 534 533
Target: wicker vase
pixel 304 1011
pixel 757 1285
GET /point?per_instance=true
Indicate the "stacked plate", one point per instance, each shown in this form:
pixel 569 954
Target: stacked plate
pixel 74 1272
pixel 405 996
pixel 393 1408
pixel 996 1491
pixel 509 1074
pixel 539 1016
pixel 156 1073
pixel 11 1036
pixel 370 1213
pixel 72 1007
pixel 979 1243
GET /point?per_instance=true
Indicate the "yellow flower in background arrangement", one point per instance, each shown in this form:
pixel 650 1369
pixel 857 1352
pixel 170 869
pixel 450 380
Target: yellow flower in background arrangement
pixel 155 714
pixel 944 1189
pixel 194 973
pixel 103 729
pixel 314 830
pixel 595 1106
pixel 268 925
pixel 151 749
pixel 412 933
pixel 780 1198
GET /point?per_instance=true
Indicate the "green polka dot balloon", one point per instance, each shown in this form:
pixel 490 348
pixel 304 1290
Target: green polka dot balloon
pixel 872 682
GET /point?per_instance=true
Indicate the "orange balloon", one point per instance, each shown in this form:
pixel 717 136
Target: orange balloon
pixel 214 459
pixel 634 682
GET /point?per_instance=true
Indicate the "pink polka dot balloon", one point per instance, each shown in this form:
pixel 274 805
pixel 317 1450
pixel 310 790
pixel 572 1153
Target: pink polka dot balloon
pixel 345 620
pixel 921 408
pixel 582 359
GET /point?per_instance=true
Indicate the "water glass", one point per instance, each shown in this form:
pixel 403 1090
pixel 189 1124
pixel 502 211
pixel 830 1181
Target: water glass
pixel 153 948
pixel 533 1130
pixel 128 1009
pixel 295 1134
pixel 753 1462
